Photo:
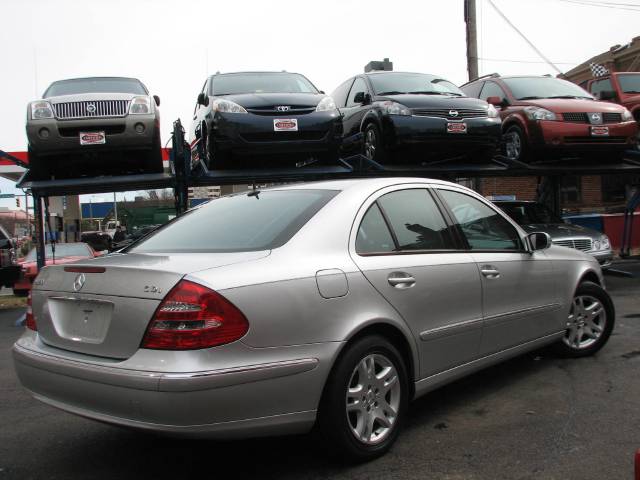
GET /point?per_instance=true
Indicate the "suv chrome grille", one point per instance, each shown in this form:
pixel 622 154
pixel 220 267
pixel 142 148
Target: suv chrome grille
pixel 583 244
pixel 91 109
pixel 462 113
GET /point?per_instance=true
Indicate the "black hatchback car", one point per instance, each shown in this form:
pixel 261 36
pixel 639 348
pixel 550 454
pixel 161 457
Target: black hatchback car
pixel 414 116
pixel 271 117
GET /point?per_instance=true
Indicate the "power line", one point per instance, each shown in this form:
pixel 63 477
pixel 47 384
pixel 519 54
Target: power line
pixel 627 7
pixel 504 17
pixel 507 60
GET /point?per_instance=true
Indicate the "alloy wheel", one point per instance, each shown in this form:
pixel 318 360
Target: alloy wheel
pixel 513 146
pixel 586 322
pixel 370 144
pixel 373 399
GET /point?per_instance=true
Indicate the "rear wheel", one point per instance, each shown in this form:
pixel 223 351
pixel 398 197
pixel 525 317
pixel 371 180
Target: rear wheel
pixel 20 293
pixel 590 322
pixel 365 400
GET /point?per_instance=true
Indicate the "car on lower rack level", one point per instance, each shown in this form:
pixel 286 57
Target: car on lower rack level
pixel 550 118
pixel 94 125
pixel 536 217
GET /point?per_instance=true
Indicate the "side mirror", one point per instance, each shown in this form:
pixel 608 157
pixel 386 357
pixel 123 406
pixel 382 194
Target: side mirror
pixel 203 99
pixel 539 240
pixel 359 98
pixel 157 99
pixel 607 95
pixel 497 101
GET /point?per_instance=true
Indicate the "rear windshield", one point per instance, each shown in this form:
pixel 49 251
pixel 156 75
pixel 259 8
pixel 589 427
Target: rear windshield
pixel 95 85
pixel 532 88
pixel 235 83
pixel 238 223
pixel 529 213
pixel 62 250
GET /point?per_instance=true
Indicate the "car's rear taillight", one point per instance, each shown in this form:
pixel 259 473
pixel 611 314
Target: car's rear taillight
pixel 30 321
pixel 193 316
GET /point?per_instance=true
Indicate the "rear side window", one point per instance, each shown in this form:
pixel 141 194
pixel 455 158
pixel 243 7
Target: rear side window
pixel 472 89
pixel 373 234
pixel 483 227
pixel 416 220
pixel 239 223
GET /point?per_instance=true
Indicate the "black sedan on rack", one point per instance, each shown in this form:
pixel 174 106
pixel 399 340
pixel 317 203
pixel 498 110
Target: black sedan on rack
pixel 414 116
pixel 263 118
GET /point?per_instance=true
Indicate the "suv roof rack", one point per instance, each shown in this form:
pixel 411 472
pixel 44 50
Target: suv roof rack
pixel 488 75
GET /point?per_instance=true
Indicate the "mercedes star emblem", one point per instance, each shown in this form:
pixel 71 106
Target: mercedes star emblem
pixel 78 283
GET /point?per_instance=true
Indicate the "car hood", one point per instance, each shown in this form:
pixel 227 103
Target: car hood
pixel 434 101
pixel 561 105
pixel 84 97
pixel 257 100
pixel 562 230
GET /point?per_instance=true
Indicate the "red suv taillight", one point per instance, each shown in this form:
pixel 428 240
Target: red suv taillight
pixel 30 321
pixel 192 316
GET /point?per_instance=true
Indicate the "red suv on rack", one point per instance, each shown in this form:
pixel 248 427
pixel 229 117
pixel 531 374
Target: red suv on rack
pixel 555 118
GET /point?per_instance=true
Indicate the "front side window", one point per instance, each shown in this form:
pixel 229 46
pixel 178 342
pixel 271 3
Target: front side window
pixel 416 220
pixel 340 94
pixel 492 89
pixel 262 82
pixel 472 89
pixel 358 86
pixel 483 227
pixel 600 86
pixel 238 223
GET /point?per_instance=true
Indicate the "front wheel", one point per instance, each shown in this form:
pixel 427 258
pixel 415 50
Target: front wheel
pixel 590 322
pixel 373 147
pixel 515 144
pixel 365 400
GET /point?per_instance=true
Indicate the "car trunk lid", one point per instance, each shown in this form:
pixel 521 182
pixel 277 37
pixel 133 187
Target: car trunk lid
pixel 102 307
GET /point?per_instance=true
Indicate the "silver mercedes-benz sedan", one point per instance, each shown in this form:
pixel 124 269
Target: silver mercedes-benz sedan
pixel 333 303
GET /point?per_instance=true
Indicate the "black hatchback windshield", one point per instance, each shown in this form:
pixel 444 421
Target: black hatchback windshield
pixel 419 83
pixel 523 88
pixel 95 85
pixel 263 82
pixel 238 223
pixel 529 213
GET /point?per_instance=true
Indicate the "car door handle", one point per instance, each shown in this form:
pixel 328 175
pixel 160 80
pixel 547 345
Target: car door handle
pixel 401 280
pixel 490 271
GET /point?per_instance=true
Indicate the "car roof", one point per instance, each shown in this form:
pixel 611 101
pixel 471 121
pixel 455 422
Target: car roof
pixel 357 183
pixel 254 71
pixel 95 78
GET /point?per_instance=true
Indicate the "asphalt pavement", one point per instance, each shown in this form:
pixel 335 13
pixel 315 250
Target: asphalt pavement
pixel 534 417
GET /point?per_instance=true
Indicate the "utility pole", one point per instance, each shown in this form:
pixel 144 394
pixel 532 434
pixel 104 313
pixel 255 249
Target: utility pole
pixel 472 38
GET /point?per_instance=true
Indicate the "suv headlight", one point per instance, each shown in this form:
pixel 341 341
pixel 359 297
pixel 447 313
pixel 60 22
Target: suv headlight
pixel 226 106
pixel 627 116
pixel 394 108
pixel 492 111
pixel 140 105
pixel 537 113
pixel 40 110
pixel 326 104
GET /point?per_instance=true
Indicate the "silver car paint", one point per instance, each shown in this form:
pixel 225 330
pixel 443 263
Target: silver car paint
pixel 272 379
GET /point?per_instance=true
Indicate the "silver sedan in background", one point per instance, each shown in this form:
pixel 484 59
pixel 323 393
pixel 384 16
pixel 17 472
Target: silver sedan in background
pixel 336 302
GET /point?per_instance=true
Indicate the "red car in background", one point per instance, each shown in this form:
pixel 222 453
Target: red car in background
pixel 64 253
pixel 555 118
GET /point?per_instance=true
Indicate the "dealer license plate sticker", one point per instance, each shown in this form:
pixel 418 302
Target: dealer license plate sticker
pixel 285 124
pixel 456 127
pixel 92 138
pixel 599 131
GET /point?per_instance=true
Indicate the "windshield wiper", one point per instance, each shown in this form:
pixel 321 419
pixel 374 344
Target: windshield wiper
pixel 433 92
pixel 631 91
pixel 533 97
pixel 392 92
pixel 570 96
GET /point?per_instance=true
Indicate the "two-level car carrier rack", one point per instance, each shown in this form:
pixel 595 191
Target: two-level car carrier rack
pixel 182 176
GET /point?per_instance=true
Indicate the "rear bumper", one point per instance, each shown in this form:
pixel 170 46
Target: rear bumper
pixel 249 399
pixel 577 136
pixel 63 136
pixel 252 134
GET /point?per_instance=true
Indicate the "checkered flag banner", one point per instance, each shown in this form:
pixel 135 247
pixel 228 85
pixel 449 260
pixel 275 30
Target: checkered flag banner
pixel 598 70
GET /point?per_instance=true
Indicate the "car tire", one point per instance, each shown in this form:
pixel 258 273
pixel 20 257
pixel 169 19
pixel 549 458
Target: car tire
pixel 372 145
pixel 154 158
pixel 515 144
pixel 590 322
pixel 20 293
pixel 360 414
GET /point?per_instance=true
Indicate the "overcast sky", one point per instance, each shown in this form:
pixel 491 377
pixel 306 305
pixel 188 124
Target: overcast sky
pixel 173 45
